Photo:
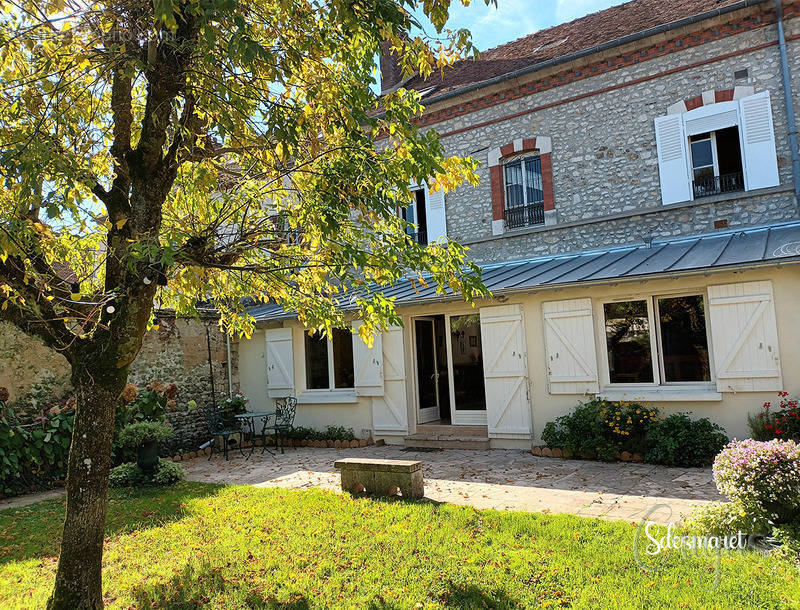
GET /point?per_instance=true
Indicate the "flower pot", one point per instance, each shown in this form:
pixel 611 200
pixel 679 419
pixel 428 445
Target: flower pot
pixel 147 456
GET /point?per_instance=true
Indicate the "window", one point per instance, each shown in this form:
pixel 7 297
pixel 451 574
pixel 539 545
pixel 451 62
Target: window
pixel 524 192
pixel 716 162
pixel 329 363
pixel 417 216
pixel 657 340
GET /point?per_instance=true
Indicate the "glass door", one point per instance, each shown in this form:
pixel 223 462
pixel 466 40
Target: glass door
pixel 467 392
pixel 427 370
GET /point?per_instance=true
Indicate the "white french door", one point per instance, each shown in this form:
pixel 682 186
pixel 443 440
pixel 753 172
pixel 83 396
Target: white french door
pixel 427 370
pixel 449 369
pixel 465 369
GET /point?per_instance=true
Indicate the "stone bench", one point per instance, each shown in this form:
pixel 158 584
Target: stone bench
pixel 381 477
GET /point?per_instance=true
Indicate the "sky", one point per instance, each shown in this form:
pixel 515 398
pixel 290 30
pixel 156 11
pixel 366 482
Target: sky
pixel 511 19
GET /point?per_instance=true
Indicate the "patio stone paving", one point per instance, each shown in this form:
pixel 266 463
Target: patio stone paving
pixel 501 479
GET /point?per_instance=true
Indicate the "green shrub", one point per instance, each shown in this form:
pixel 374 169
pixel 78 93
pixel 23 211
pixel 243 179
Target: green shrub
pixel 331 433
pixel 136 435
pixel 34 454
pixel 126 475
pixel 130 475
pixel 601 429
pixel 167 473
pixel 679 440
pixel 726 518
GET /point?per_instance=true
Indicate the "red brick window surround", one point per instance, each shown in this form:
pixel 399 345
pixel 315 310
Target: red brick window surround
pixel 540 144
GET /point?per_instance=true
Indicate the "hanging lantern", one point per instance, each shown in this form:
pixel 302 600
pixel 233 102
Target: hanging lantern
pixel 75 291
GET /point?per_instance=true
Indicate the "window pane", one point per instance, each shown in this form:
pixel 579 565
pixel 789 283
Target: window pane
pixel 701 154
pixel 684 342
pixel 465 335
pixel 316 362
pixel 533 178
pixel 343 372
pixel 628 342
pixel 514 192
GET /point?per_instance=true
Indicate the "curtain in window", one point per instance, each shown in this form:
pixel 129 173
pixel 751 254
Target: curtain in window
pixel 515 196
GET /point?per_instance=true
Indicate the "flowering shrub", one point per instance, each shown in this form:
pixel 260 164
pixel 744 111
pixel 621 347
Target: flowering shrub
pixel 763 476
pixel 783 423
pixel 233 406
pixel 603 429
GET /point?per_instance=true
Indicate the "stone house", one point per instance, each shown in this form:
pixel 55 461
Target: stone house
pixel 637 221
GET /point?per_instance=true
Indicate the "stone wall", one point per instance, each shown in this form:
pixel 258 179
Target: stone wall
pixel 604 158
pixel 177 352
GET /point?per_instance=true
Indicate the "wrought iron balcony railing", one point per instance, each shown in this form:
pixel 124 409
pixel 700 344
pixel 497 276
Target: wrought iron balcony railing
pixel 525 215
pixel 714 185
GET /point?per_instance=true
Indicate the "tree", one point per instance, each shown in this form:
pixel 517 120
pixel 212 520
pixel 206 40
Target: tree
pixel 179 151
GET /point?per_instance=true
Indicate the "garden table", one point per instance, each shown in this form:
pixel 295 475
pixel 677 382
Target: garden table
pixel 249 420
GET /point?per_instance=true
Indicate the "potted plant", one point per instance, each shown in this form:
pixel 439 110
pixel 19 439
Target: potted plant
pixel 144 438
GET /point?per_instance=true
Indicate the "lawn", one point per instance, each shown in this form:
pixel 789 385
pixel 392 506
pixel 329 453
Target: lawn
pixel 227 547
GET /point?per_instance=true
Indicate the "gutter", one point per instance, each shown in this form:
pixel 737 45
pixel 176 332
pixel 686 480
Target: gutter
pixel 787 96
pixel 230 368
pixel 660 29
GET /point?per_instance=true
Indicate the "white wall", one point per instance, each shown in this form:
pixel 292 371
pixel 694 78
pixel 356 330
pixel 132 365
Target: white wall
pixel 731 412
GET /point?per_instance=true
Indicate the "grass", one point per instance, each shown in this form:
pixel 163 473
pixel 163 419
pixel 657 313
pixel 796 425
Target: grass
pixel 198 545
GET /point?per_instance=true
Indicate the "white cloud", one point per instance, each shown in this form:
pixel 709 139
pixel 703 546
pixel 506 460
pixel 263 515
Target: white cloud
pixel 567 10
pixel 492 25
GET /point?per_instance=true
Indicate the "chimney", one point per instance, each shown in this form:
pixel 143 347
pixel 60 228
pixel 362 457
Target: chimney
pixel 391 74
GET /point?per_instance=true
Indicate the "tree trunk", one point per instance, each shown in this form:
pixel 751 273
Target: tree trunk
pixel 79 580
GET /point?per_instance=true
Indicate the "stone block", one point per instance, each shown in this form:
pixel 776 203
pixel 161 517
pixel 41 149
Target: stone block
pixel 547 452
pixel 625 456
pixel 382 477
pixel 557 453
pixel 363 442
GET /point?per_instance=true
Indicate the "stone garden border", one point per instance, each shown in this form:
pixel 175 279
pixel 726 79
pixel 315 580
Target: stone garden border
pixel 566 454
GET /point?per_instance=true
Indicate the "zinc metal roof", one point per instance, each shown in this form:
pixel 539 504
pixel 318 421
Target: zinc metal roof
pixel 715 251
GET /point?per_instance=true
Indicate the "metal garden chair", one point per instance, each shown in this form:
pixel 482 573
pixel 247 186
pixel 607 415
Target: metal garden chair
pixel 285 409
pixel 222 424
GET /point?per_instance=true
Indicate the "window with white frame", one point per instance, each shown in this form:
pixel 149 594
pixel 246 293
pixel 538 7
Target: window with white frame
pixel 716 162
pixel 657 340
pixel 717 148
pixel 524 191
pixel 329 362
pixel 416 215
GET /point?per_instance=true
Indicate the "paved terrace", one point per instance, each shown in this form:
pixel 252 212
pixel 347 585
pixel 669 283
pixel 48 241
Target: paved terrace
pixel 498 479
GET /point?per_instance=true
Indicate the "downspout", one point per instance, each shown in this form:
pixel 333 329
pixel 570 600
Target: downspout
pixel 787 96
pixel 230 368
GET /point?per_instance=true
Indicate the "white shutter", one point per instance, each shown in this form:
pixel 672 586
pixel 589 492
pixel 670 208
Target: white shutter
pixel 569 347
pixel 389 412
pixel 673 159
pixel 744 337
pixel 758 142
pixel 280 362
pixel 435 211
pixel 505 369
pixel 368 364
pixel 711 118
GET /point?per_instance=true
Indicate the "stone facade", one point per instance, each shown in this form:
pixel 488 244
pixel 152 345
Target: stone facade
pixel 604 159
